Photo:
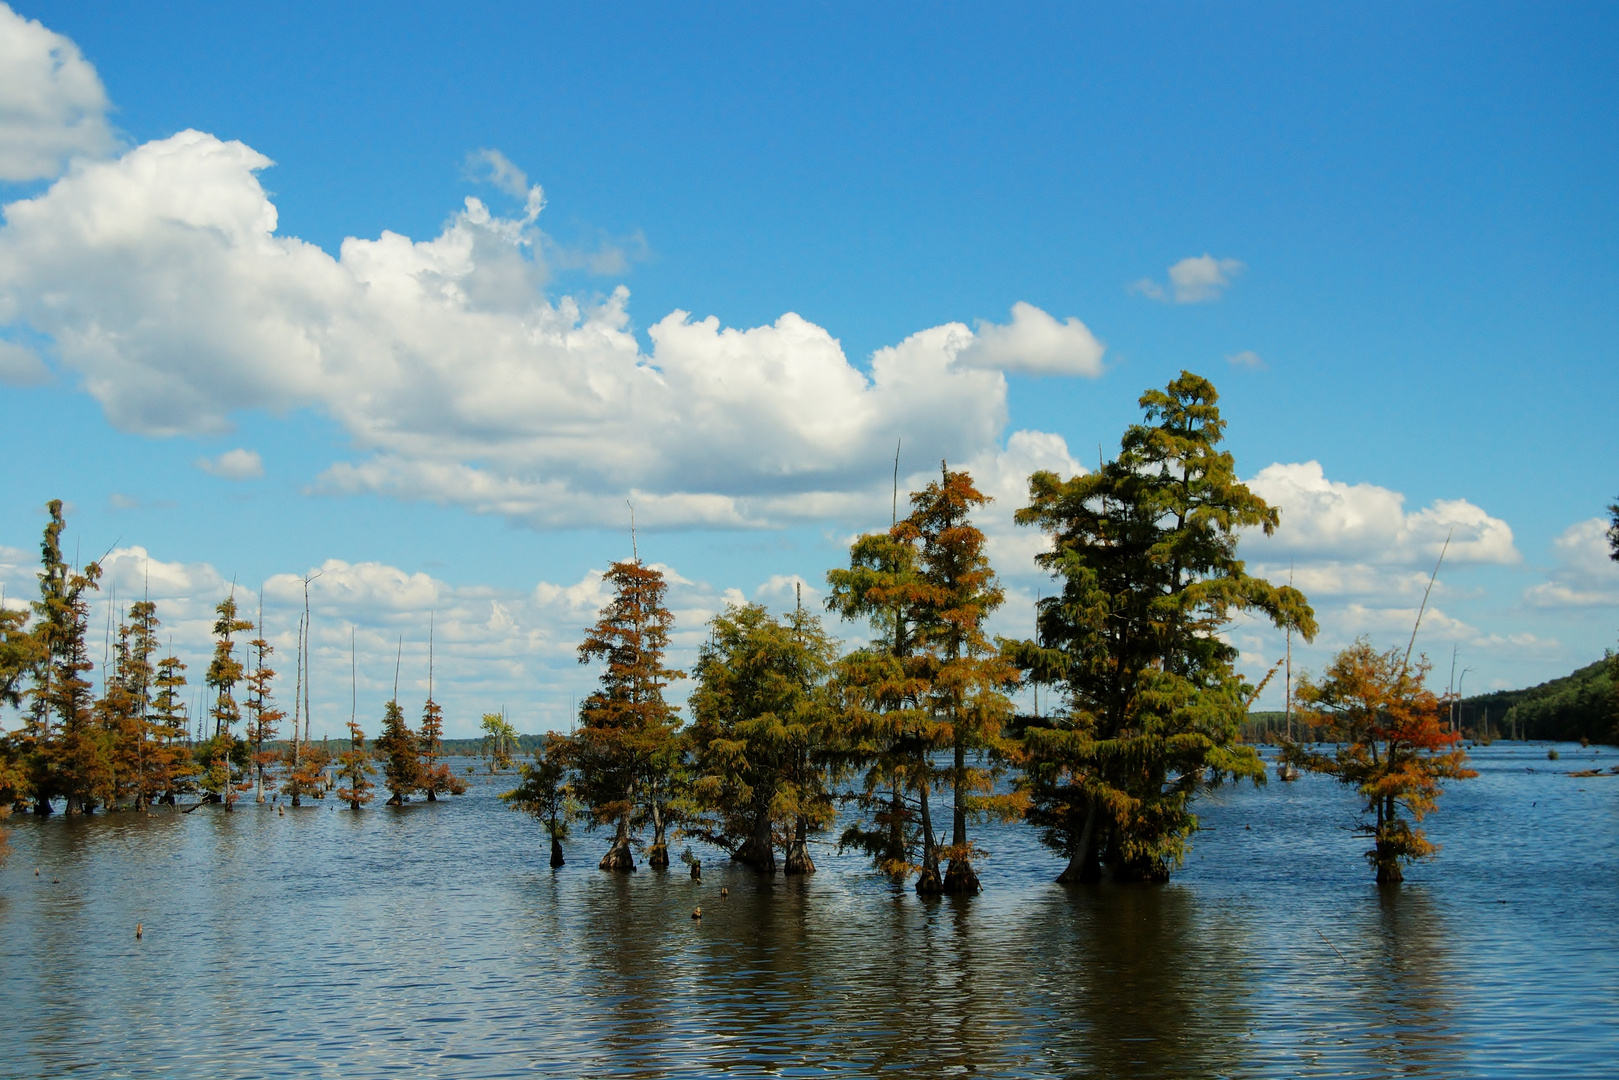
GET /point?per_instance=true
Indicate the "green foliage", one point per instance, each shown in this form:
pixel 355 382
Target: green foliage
pixel 544 790
pixel 1576 706
pixel 1145 552
pixel 628 750
pixel 499 740
pixel 225 671
pixel 64 753
pixel 886 732
pixel 761 722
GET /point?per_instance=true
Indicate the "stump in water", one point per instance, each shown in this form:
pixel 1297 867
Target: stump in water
pixel 761 857
pixel 959 878
pixel 696 870
pixel 619 858
pixel 798 856
pixel 556 853
pixel 798 859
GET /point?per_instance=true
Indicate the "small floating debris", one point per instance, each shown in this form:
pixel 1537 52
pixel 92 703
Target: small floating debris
pixel 137 931
pixel 697 913
pixel 724 892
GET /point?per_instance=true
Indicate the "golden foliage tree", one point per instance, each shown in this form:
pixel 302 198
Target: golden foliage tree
pixel 1393 747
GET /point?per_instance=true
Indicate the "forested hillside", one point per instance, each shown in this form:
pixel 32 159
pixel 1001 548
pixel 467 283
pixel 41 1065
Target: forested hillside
pixel 1578 705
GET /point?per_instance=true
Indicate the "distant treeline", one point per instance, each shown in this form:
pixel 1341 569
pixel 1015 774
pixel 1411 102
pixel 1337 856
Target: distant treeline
pixel 1580 705
pixel 1583 705
pixel 522 746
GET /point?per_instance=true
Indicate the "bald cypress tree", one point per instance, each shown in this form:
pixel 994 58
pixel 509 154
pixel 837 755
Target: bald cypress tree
pixel 965 675
pixel 175 771
pixel 225 671
pixel 761 720
pixel 263 717
pixel 354 770
pixel 401 768
pixel 884 726
pixel 628 748
pixel 1145 552
pixel 66 753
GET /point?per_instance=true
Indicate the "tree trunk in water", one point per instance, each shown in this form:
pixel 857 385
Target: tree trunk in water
pixel 798 856
pixel 556 853
pixel 1083 865
pixel 959 878
pixel 894 853
pixel 927 882
pixel 397 800
pixel 619 857
pixel 758 850
pixel 42 807
pixel 657 856
pixel 432 796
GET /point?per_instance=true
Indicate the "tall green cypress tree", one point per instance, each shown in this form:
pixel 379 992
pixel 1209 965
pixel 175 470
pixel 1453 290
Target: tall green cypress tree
pixel 1145 551
pixel 761 719
pixel 67 755
pixel 628 750
pixel 225 671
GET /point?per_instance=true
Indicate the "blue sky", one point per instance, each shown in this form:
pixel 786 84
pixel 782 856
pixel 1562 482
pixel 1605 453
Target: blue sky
pixel 1390 230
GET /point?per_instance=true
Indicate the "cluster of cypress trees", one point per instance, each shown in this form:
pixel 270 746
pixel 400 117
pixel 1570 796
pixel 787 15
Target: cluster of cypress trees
pixel 135 745
pixel 916 731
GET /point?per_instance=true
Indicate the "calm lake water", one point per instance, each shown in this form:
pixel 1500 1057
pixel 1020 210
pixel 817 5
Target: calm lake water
pixel 434 941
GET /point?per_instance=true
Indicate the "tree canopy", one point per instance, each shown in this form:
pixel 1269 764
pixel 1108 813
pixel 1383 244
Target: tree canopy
pixel 1145 553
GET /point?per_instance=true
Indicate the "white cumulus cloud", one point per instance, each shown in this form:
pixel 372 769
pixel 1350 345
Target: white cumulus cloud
pixel 1035 343
pixel 1365 523
pixel 1585 574
pixel 1194 280
pixel 52 104
pixel 162 281
pixel 235 464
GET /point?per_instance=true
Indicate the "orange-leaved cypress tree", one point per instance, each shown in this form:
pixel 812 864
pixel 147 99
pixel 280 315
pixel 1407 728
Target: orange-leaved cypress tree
pixel 1393 746
pixel 354 769
pixel 966 676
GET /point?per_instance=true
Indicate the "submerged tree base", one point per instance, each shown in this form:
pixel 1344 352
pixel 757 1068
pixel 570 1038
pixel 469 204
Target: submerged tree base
pixel 657 856
pixel 928 883
pixel 618 858
pixel 960 880
pixel 556 854
pixel 1081 871
pixel 798 859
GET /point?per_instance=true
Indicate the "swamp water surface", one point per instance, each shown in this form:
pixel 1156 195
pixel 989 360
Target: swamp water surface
pixel 434 941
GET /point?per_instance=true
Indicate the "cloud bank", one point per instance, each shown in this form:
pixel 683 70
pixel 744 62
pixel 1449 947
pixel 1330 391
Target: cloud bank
pixel 52 104
pixel 161 279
